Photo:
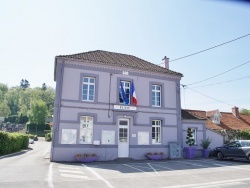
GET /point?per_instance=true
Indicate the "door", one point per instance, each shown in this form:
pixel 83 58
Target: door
pixel 123 138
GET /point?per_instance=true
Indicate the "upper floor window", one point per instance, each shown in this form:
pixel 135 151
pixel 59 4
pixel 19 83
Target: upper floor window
pixel 216 120
pixel 88 89
pixel 86 130
pixel 124 96
pixel 156 131
pixel 156 95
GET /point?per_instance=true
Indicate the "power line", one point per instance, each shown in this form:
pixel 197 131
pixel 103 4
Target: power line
pixel 210 48
pixel 222 82
pixel 219 74
pixel 211 97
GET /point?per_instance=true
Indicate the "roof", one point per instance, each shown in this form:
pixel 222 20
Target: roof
pixel 228 121
pixel 189 115
pixel 118 59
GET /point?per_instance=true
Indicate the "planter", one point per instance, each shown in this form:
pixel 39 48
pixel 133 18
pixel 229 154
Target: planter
pixel 205 153
pixel 190 152
pixel 156 157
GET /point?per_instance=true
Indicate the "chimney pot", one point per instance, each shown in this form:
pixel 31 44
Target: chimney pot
pixel 166 62
pixel 235 111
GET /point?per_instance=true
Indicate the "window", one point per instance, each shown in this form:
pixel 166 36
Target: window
pixel 123 135
pixel 126 89
pixel 156 95
pixel 86 130
pixel 88 89
pixel 216 120
pixel 156 131
pixel 194 135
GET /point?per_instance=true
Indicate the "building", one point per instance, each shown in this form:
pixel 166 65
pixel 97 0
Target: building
pixel 223 127
pixel 114 105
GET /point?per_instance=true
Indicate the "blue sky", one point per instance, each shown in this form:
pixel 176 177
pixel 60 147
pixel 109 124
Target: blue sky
pixel 34 32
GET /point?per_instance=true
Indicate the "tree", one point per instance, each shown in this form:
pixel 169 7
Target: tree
pixel 3 88
pixel 44 87
pixel 244 111
pixel 12 98
pixel 24 83
pixel 38 112
pixel 4 109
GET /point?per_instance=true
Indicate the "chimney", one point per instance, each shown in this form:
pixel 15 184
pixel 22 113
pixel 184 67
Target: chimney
pixel 166 62
pixel 235 111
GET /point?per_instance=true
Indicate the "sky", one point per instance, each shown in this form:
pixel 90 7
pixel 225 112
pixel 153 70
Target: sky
pixel 32 33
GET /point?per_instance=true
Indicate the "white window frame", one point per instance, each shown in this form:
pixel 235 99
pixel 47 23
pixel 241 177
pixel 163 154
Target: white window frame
pixel 86 130
pixel 88 84
pixel 154 94
pixel 125 88
pixel 194 134
pixel 156 136
pixel 216 120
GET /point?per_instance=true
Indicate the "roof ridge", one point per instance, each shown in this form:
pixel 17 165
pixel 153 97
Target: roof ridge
pixel 119 59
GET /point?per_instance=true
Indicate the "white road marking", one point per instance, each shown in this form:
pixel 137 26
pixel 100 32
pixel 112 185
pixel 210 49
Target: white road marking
pixel 192 164
pixel 98 176
pixel 69 167
pixel 153 169
pixel 221 185
pixel 50 176
pixel 71 171
pixel 145 167
pixel 212 184
pixel 238 168
pixel 45 153
pixel 130 166
pixel 74 176
pixel 163 166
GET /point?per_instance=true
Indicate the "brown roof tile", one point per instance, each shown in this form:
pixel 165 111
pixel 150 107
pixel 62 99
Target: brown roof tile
pixel 189 115
pixel 118 59
pixel 228 121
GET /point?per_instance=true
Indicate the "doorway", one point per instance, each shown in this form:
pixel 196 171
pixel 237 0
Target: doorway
pixel 123 138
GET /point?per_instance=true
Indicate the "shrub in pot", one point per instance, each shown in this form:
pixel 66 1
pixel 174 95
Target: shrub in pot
pixel 205 144
pixel 190 151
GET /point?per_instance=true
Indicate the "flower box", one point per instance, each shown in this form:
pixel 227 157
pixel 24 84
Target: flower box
pixel 86 158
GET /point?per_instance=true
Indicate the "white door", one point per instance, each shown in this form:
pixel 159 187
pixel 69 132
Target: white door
pixel 123 138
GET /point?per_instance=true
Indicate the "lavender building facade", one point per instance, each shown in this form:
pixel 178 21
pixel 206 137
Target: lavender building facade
pixel 90 114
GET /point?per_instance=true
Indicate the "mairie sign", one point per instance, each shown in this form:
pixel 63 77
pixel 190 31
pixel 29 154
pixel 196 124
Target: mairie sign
pixel 122 107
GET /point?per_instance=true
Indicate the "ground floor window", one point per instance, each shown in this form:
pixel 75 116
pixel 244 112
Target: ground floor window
pixel 194 135
pixel 86 130
pixel 156 131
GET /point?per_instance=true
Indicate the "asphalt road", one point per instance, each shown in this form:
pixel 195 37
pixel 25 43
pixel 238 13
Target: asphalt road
pixel 26 169
pixel 33 169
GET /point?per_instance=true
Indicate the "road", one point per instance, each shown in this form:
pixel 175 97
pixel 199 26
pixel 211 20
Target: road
pixel 33 169
pixel 28 169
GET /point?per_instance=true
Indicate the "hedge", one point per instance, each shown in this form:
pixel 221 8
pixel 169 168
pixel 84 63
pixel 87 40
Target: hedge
pixel 48 136
pixel 38 127
pixel 12 142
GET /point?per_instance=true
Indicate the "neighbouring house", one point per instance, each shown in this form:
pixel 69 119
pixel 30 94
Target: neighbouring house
pixel 198 127
pixel 116 106
pixel 222 127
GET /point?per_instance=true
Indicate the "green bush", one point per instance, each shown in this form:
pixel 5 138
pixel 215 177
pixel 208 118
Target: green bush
pixel 245 134
pixel 12 142
pixel 48 136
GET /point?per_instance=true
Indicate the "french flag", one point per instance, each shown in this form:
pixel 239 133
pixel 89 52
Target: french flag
pixel 132 92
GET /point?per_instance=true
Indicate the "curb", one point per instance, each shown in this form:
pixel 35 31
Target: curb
pixel 13 154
